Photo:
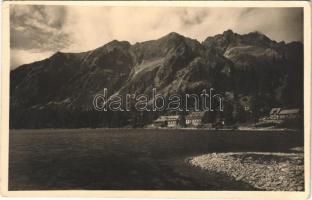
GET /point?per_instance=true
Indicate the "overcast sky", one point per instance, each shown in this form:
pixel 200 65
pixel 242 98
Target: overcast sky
pixel 39 31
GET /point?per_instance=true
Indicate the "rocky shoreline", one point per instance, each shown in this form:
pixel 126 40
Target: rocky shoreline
pixel 263 171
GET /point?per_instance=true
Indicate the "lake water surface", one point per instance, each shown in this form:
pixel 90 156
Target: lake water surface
pixel 130 159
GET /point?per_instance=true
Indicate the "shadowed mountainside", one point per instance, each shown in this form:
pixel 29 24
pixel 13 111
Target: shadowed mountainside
pixel 248 69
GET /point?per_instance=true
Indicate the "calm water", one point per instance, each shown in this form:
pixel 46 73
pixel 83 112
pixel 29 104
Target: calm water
pixel 102 159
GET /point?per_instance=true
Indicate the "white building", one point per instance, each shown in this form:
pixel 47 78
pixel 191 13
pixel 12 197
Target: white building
pixel 170 121
pixel 195 119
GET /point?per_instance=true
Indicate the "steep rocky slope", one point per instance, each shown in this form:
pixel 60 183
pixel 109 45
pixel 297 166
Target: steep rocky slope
pixel 247 69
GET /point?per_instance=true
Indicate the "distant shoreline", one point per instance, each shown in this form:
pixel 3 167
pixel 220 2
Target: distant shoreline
pixel 194 129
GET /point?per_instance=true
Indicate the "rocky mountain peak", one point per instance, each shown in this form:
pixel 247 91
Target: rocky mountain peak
pixel 115 44
pixel 228 32
pixel 57 54
pixel 250 65
pixel 172 35
pixel 257 34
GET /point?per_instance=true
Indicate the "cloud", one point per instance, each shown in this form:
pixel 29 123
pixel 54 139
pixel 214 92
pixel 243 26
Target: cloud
pixel 81 28
pixel 91 27
pixel 38 27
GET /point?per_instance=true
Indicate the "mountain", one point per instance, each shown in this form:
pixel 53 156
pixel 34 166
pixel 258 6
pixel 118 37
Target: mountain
pixel 248 69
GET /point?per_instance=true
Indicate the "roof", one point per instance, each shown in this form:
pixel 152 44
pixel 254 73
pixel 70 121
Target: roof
pixel 289 111
pixel 173 117
pixel 193 115
pixel 164 118
pixel 275 111
pixel 161 119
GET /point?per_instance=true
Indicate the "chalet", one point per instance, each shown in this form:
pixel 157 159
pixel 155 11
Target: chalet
pixel 274 113
pixel 289 114
pixel 173 121
pixel 195 119
pixel 170 121
pixel 282 114
pixel 160 121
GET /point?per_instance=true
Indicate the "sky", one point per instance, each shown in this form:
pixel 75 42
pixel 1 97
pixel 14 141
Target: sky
pixel 38 31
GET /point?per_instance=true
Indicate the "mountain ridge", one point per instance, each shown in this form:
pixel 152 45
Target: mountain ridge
pixel 249 65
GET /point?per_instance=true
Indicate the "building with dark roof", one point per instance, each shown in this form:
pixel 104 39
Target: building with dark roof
pixel 281 114
pixel 170 121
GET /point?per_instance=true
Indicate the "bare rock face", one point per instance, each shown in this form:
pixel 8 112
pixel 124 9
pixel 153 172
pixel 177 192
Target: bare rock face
pixel 52 91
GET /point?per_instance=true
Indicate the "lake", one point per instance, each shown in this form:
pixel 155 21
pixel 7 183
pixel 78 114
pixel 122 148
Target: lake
pixel 130 159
